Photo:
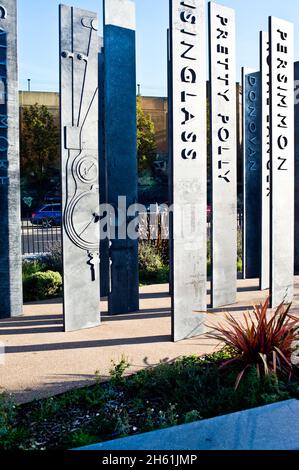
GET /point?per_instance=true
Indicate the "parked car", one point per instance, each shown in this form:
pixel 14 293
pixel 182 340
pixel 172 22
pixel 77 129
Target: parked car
pixel 47 215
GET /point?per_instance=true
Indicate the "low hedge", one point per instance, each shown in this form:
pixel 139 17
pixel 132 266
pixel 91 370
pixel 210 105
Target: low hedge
pixel 42 286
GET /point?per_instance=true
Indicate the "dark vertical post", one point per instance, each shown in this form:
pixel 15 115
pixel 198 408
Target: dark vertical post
pixel 121 149
pixel 104 244
pixel 251 173
pixel 296 72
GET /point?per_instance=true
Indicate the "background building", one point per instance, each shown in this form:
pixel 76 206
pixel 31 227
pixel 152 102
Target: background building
pixel 154 187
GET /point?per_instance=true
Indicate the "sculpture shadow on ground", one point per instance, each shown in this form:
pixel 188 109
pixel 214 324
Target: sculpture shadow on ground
pixel 87 344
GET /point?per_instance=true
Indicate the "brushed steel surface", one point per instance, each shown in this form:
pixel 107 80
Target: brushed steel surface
pixel 79 159
pixel 188 166
pixel 283 160
pixel 224 154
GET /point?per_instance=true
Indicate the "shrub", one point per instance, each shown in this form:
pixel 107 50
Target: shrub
pixel 118 370
pixel 192 416
pixel 32 267
pixel 151 266
pixel 53 261
pixel 9 434
pixel 149 258
pixel 264 341
pixel 42 285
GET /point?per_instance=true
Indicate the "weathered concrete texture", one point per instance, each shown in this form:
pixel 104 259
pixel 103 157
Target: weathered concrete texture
pixel 79 47
pixel 42 360
pixel 188 167
pixel 10 225
pixel 224 153
pixel 265 159
pixel 282 160
pixel 252 173
pixel 121 148
pixel 273 427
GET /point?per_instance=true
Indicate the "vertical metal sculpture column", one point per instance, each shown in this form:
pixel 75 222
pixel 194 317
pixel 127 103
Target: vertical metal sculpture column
pixel 266 162
pixel 104 242
pixel 188 167
pixel 224 154
pixel 79 159
pixel 10 224
pixel 121 149
pixel 282 160
pixel 296 72
pixel 252 173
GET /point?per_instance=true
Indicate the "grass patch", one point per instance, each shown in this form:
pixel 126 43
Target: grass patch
pixel 183 391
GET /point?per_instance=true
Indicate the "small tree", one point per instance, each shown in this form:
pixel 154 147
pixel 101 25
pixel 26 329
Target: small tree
pixel 39 144
pixel 146 142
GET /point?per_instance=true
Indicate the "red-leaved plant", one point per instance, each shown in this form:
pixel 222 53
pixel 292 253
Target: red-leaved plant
pixel 267 341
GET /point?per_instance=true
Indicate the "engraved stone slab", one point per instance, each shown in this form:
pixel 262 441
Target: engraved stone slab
pixel 121 149
pixel 282 158
pixel 224 154
pixel 79 158
pixel 265 158
pixel 10 225
pixel 188 166
pixel 252 173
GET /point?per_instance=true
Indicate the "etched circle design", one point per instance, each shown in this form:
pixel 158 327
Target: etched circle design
pixel 81 221
pixel 87 170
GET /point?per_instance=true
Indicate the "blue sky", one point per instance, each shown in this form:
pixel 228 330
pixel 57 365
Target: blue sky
pixel 38 38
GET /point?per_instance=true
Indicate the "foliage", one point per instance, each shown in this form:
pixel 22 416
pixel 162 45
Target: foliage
pixel 118 370
pixel 152 268
pixel 146 144
pixel 9 434
pixel 265 341
pixel 192 416
pixel 39 144
pixel 81 439
pixel 171 393
pixel 149 258
pixel 53 260
pixel 42 285
pixel 32 267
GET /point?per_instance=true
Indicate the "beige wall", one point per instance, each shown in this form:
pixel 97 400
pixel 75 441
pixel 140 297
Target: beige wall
pixel 156 107
pixel 49 99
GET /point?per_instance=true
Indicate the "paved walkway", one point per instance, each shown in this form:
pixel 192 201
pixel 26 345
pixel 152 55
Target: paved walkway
pixel 41 360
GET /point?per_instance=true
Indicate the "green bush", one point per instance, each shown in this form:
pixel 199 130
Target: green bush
pixel 53 261
pixel 32 267
pixel 149 258
pixel 10 435
pixel 151 266
pixel 42 286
